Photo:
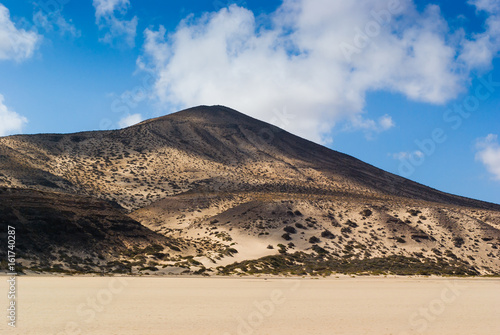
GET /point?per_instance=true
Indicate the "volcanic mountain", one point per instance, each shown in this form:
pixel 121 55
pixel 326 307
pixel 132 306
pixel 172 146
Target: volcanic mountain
pixel 209 189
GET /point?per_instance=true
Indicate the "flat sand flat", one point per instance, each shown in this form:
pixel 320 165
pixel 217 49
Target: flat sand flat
pixel 226 306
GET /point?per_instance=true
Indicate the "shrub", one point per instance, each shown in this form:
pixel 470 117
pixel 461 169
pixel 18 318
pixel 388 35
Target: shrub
pixel 414 212
pixel 282 248
pixel 458 242
pixel 346 230
pixel 327 234
pixel 352 224
pixel 174 248
pixel 314 239
pixel 232 251
pixel 290 229
pixel 286 237
pixel 366 212
pixel 319 249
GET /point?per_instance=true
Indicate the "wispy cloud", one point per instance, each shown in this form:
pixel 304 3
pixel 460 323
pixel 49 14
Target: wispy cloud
pixel 55 21
pixel 110 17
pixel 130 120
pixel 296 59
pixel 489 154
pixel 483 47
pixel 406 154
pixel 491 6
pixel 10 122
pixel 370 127
pixel 15 44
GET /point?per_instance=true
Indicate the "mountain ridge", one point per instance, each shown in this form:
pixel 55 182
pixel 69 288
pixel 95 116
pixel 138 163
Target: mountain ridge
pixel 262 138
pixel 230 188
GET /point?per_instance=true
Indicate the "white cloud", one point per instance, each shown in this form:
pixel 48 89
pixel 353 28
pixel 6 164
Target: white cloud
pixel 15 44
pixel 130 120
pixel 384 123
pixel 406 155
pixel 10 122
pixel 109 15
pixel 299 60
pixel 490 6
pixel 489 154
pixel 368 126
pixel 55 21
pixel 480 51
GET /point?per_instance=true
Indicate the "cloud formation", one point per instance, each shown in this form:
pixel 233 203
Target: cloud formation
pixel 130 120
pixel 406 155
pixel 109 16
pixel 491 6
pixel 489 154
pixel 55 21
pixel 10 122
pixel 317 59
pixel 480 51
pixel 370 127
pixel 15 44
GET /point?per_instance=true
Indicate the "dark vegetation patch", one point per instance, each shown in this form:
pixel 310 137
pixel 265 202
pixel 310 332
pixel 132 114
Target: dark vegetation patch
pixel 321 263
pixel 366 212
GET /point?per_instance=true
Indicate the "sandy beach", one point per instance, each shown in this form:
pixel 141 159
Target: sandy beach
pixel 227 306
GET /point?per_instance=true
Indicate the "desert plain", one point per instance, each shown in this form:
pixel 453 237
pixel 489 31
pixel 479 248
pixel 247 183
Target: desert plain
pixel 254 305
pixel 208 221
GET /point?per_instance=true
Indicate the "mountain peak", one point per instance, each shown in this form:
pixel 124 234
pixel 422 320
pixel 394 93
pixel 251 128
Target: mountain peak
pixel 203 113
pixel 209 180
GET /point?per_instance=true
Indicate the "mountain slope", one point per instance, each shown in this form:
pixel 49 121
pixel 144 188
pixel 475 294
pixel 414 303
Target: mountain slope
pixel 66 233
pixel 225 185
pixel 211 147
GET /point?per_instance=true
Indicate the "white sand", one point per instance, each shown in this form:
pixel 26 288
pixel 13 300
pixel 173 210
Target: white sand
pixel 227 306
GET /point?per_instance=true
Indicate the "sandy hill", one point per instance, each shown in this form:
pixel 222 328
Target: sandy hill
pixel 229 188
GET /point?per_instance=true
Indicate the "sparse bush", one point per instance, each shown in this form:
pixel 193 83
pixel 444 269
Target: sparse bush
pixel 319 249
pixel 282 248
pixel 366 212
pixel 458 242
pixel 414 212
pixel 352 224
pixel 232 251
pixel 346 230
pixel 314 239
pixel 327 234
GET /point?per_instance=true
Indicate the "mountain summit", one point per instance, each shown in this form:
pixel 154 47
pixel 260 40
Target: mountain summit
pixel 210 175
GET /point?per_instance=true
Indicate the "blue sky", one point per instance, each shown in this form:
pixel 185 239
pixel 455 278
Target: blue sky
pixel 406 85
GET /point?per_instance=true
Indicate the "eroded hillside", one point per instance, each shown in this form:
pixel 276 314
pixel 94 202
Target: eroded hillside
pixel 211 187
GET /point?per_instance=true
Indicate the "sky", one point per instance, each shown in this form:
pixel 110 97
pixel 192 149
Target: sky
pixel 409 86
